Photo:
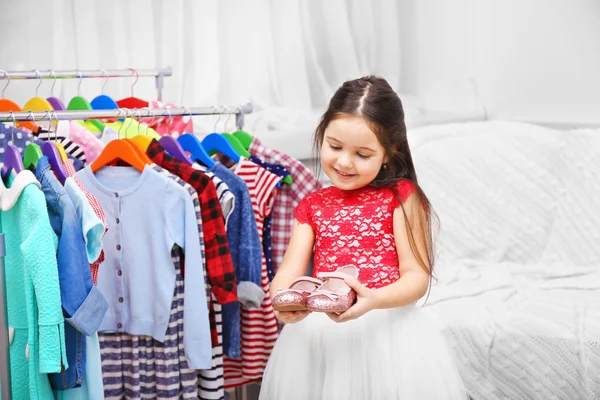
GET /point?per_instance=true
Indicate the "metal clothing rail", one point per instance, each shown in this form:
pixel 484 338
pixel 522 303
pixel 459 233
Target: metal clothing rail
pixel 159 74
pixel 238 110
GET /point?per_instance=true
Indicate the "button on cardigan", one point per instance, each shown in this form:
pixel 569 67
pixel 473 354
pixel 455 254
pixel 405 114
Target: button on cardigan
pixel 137 277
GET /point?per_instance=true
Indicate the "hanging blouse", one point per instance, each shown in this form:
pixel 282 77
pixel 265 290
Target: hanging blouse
pixel 173 126
pixel 95 265
pixel 35 316
pixel 149 208
pixel 259 327
pixel 90 144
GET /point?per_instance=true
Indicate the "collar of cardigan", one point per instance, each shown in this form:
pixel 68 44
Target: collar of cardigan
pixel 10 196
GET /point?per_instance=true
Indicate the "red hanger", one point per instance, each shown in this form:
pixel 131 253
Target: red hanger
pixel 132 102
pixel 120 150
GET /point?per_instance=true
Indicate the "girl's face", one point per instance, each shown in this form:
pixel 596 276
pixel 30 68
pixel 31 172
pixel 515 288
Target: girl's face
pixel 351 155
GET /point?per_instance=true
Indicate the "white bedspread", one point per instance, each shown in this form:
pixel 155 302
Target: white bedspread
pixel 519 255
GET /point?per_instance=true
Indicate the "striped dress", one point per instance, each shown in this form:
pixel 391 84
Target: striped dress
pixel 258 326
pixel 139 367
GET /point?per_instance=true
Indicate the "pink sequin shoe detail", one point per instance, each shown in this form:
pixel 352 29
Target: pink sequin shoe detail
pixel 333 295
pixel 294 298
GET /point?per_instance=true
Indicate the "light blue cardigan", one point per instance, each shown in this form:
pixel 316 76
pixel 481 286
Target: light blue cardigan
pixel 147 214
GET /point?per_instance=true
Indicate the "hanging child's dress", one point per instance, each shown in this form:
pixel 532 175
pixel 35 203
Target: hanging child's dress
pixel 394 353
pixel 258 326
pixel 35 319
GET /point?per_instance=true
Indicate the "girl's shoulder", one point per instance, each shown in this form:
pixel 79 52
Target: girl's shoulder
pixel 323 194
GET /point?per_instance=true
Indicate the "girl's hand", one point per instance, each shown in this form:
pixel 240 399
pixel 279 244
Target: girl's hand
pixel 366 300
pixel 291 317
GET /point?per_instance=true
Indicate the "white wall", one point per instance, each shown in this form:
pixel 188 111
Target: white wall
pixel 534 60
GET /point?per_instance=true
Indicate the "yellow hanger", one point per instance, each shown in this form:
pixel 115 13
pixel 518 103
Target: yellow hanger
pixel 61 151
pixel 38 103
pixel 142 141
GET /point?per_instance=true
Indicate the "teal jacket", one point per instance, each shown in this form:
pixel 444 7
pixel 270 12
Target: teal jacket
pixel 37 345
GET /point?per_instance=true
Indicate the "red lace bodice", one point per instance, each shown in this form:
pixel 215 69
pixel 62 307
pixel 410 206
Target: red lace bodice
pixel 355 227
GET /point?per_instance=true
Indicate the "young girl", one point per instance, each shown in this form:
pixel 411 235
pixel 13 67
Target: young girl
pixel 377 218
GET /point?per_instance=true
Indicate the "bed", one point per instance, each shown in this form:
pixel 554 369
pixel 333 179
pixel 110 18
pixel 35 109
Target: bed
pixel 518 290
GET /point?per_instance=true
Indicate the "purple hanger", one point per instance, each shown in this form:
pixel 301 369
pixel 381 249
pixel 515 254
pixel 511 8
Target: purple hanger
pixel 50 150
pixel 12 160
pixel 174 148
pixel 56 103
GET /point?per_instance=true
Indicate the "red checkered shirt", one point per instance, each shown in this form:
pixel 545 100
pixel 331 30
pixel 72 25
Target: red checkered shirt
pixel 94 267
pixel 218 258
pixel 287 199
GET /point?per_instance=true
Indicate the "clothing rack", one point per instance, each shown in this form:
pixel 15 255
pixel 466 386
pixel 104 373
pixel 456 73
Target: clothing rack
pixel 238 110
pixel 159 74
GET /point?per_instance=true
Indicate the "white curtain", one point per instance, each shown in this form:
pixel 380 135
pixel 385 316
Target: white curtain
pixel 281 53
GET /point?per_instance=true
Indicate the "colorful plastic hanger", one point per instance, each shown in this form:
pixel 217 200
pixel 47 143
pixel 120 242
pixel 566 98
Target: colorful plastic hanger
pixel 236 145
pixel 143 142
pixel 38 103
pixel 123 150
pixel 32 152
pixel 192 145
pixel 173 147
pixel 12 157
pixel 32 155
pixel 12 161
pixel 80 103
pixel 217 143
pixel 132 102
pixel 139 151
pixel 244 138
pixel 50 150
pixel 56 103
pixel 104 102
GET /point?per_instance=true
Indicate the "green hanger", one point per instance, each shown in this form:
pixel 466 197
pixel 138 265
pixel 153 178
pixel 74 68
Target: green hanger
pixel 288 179
pixel 31 156
pixel 237 145
pixel 244 138
pixel 79 103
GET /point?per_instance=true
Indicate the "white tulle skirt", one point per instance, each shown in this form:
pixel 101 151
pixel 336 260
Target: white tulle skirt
pixel 383 355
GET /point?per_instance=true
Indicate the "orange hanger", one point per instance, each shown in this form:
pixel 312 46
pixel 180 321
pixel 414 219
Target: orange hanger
pixel 120 150
pixel 7 105
pixel 139 150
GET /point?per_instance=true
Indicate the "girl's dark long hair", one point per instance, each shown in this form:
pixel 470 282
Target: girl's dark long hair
pixel 373 99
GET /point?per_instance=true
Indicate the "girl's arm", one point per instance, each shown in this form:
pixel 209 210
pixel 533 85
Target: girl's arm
pixel 414 280
pixel 296 259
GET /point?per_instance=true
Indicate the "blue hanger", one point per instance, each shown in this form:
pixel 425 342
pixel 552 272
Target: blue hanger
pixel 104 102
pixel 214 141
pixel 191 144
pixel 174 148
